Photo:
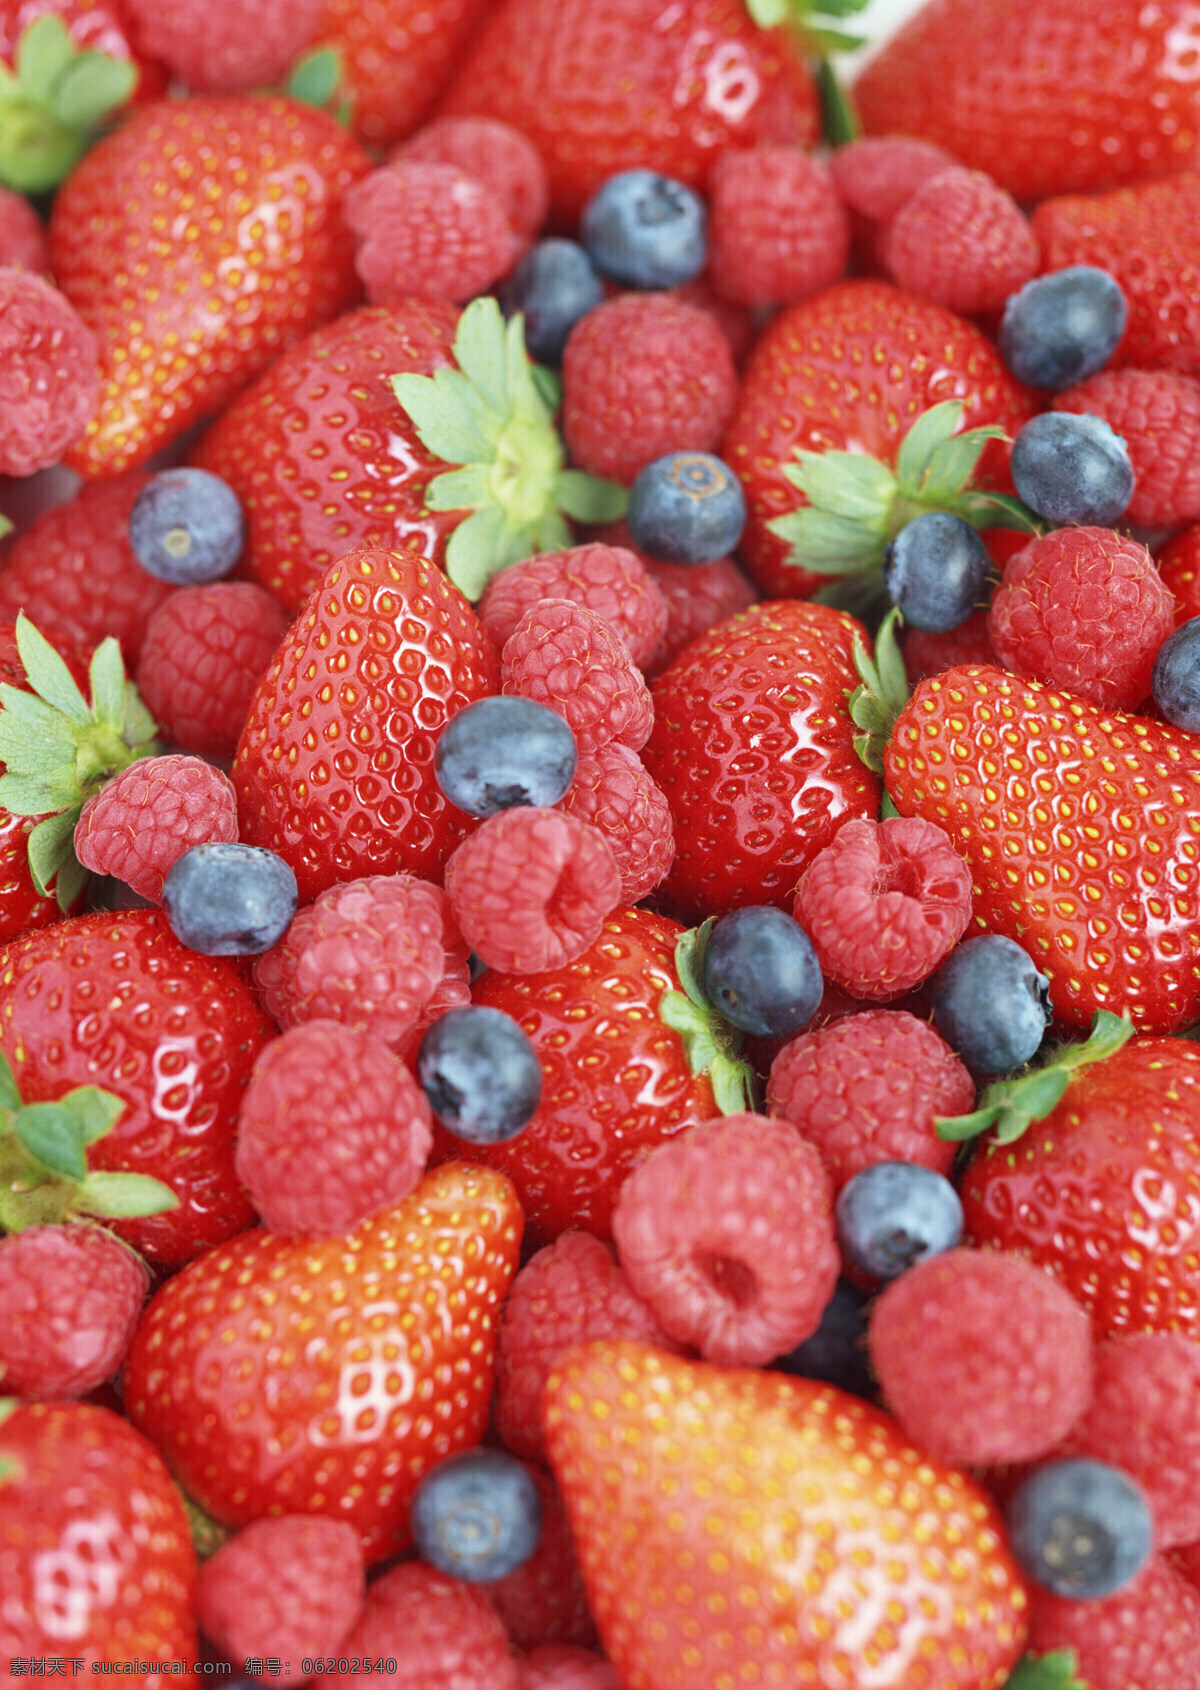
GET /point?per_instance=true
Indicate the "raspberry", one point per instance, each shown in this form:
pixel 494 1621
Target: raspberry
pixel 229 47
pixel 292 1586
pixel 982 1357
pixel 878 174
pixel 961 241
pixel 737 324
pixel 375 954
pixel 643 375
pixel 204 653
pixel 932 654
pixel 1157 414
pixel 777 230
pixel 50 385
pixel 1147 1634
pixel 530 889
pixel 612 581
pixel 884 904
pixel 144 819
pixel 440 1631
pixel 333 1129
pixel 567 657
pixel 427 231
pixel 22 234
pixel 867 1088
pixel 557 1668
pixel 570 1293
pixel 698 595
pixel 544 1601
pixel 494 153
pixel 1085 610
pixel 727 1232
pixel 74 574
pixel 72 1298
pixel 1179 567
pixel 614 792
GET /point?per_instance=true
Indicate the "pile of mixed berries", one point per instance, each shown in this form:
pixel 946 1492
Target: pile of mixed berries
pixel 600 839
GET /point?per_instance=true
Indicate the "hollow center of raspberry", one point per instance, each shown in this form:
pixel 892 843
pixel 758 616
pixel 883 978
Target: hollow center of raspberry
pixel 901 874
pixel 731 1278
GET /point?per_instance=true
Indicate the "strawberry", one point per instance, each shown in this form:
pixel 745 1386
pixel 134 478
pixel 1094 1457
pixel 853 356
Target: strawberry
pixel 1046 100
pixel 189 307
pixel 96 1560
pixel 737 1526
pixel 1080 830
pixel 288 1375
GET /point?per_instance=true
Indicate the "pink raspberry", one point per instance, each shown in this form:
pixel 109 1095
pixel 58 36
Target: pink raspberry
pixel 292 1587
pixel 572 1292
pixel 932 654
pixel 565 656
pixel 614 792
pixel 777 229
pixel 961 241
pixel 49 373
pixel 559 1668
pixel 738 324
pixel 382 955
pixel 982 1357
pixel 72 1299
pixel 727 1232
pixel 1157 414
pixel 494 153
pixel 1086 610
pixel 237 45
pixel 145 818
pixel 698 595
pixel 612 581
pixel 427 231
pixel 333 1129
pixel 643 375
pixel 1147 1634
pixel 205 650
pixel 442 1633
pixel 544 1601
pixel 878 174
pixel 867 1088
pixel 22 234
pixel 530 889
pixel 884 904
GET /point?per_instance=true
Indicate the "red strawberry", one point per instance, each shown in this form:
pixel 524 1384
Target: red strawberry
pixel 1045 99
pixel 1080 831
pixel 187 308
pixel 302 1375
pixel 96 1560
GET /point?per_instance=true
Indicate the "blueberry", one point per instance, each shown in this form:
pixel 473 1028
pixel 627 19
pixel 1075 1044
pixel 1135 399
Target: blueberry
pixel 186 527
pixel 480 1073
pixel 1063 327
pixel 991 1004
pixel 894 1214
pixel 1175 683
pixel 554 285
pixel 1080 1528
pixel 837 1351
pixel 935 571
pixel 229 900
pixel 761 972
pixel 477 1516
pixel 646 230
pixel 1072 469
pixel 504 751
pixel 687 508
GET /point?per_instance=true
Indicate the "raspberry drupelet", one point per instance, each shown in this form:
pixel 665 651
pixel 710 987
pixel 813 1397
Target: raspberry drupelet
pixel 494 153
pixel 72 1298
pixel 565 656
pixel 610 580
pixel 778 231
pixel 615 793
pixel 49 373
pixel 139 824
pixel 427 231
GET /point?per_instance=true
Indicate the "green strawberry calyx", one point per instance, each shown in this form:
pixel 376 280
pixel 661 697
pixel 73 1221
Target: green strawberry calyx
pixel 59 749
pixel 318 79
pixel 1056 1670
pixel 494 416
pixel 44 1174
pixel 1010 1106
pixel 53 99
pixel 807 17
pixel 857 505
pixel 881 694
pixel 710 1041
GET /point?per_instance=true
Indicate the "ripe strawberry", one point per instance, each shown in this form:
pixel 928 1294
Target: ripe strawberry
pixel 1080 831
pixel 188 308
pixel 1043 103
pixel 730 1523
pixel 285 1375
pixel 96 1560
pixel 620 83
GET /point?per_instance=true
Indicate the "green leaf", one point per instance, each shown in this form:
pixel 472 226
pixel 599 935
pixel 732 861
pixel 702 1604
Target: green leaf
pixel 589 499
pixel 460 489
pixel 733 1085
pixel 769 14
pixel 72 877
pixel 931 430
pixel 450 418
pixel 106 675
pixel 875 705
pixel 549 386
pixel 524 397
pixel 97 1111
pixel 829 545
pixel 833 40
pixel 33 734
pixel 954 463
pixel 839 120
pixel 53 1135
pixel 48 674
pixel 1056 1670
pixel 123 1197
pixel 862 594
pixel 887 809
pixel 43 52
pixel 35 795
pixel 549 534
pixel 848 484
pixel 689 962
pixel 474 553
pixel 482 353
pixel 10 1097
pixel 140 726
pixel 998 510
pixel 94 85
pixel 693 1026
pixel 51 843
pixel 315 78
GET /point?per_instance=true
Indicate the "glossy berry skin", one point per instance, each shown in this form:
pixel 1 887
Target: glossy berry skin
pixel 687 507
pixel 477 1516
pixel 186 527
pixel 298 1443
pixel 1061 328
pixel 500 752
pixel 553 286
pixel 180 1060
pixel 1176 679
pixel 1079 829
pixel 934 571
pixel 229 899
pixel 645 231
pixel 405 653
pixel 754 750
pixel 894 1214
pixel 480 1074
pixel 1072 469
pixel 761 972
pixel 1080 1528
pixel 990 1004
